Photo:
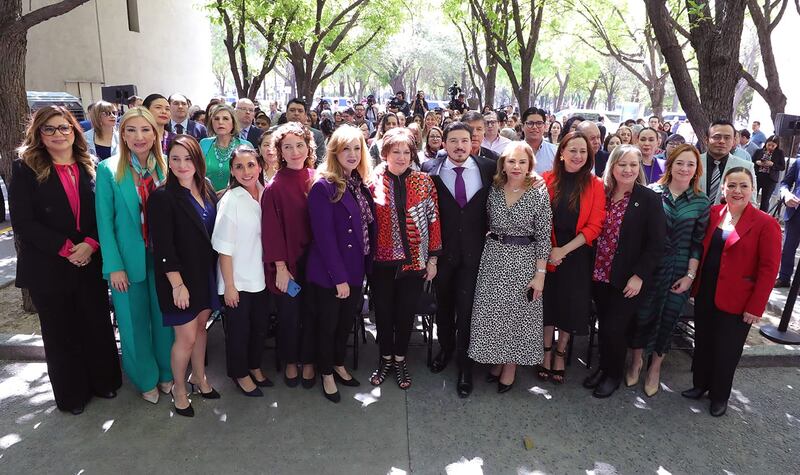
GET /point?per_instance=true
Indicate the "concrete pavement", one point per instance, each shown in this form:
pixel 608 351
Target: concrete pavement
pixel 427 429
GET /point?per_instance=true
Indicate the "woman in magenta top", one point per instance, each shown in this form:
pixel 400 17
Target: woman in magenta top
pixel 58 260
pixel 285 236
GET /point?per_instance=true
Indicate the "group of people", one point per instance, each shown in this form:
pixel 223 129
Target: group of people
pixel 518 239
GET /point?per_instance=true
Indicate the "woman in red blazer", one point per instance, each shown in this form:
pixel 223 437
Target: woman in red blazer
pixel 741 255
pixel 579 207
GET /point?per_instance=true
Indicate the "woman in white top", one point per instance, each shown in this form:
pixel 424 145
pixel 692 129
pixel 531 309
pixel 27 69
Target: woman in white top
pixel 237 239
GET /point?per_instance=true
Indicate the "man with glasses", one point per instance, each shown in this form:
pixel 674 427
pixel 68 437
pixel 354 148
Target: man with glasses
pixel 533 128
pixel 179 118
pixel 718 159
pixel 361 117
pixel 492 138
pixel 246 114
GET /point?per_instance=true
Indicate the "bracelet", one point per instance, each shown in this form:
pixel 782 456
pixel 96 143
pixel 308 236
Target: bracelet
pixel 541 271
pixel 690 275
pixel 177 287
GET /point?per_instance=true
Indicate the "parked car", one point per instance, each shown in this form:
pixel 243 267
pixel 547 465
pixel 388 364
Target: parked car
pixel 38 100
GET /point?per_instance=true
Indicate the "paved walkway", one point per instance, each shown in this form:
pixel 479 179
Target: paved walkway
pixel 426 430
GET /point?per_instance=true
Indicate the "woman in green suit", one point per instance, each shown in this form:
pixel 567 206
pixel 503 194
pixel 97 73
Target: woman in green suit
pixel 124 182
pixel 223 138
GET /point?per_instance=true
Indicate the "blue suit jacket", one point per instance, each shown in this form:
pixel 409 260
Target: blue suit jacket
pixel 789 184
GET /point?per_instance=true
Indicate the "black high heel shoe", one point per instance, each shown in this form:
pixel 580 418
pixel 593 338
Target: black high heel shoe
pixel 213 394
pixel 504 388
pixel 264 383
pixel 332 397
pixel 254 393
pixel 352 382
pixel 186 411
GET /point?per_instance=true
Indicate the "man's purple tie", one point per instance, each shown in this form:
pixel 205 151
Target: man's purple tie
pixel 461 187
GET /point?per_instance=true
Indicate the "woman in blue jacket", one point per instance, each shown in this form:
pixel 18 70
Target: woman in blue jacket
pixel 342 217
pixel 124 184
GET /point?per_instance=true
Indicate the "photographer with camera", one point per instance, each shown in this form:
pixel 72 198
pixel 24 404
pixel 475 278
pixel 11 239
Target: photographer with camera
pixel 419 105
pixel 457 99
pixel 399 104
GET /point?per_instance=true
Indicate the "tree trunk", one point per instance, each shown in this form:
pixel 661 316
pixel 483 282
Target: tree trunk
pixel 490 85
pixel 592 92
pixel 562 89
pixel 773 94
pixel 657 93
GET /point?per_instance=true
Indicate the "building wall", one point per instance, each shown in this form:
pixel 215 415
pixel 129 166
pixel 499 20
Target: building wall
pixel 92 46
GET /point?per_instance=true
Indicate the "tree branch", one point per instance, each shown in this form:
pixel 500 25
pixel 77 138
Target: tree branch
pixel 40 15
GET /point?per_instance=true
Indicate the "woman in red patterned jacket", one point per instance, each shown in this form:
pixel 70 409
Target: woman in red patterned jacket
pixel 409 238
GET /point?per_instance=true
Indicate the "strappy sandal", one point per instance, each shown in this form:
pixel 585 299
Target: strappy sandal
pixel 557 375
pixel 402 375
pixel 380 374
pixel 541 372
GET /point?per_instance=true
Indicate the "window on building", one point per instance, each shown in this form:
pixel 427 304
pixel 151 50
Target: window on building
pixel 133 15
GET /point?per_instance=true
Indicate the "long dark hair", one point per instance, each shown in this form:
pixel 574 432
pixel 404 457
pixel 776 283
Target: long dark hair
pixel 35 154
pixel 196 155
pixel 244 150
pixel 584 175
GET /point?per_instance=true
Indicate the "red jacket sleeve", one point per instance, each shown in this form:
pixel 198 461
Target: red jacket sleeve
pixel 769 257
pixel 597 214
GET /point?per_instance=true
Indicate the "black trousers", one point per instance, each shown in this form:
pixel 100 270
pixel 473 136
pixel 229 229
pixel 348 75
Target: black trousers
pixel 719 339
pixel 332 319
pixel 79 342
pixel 245 331
pixel 615 319
pixel 766 186
pixel 395 301
pixel 455 294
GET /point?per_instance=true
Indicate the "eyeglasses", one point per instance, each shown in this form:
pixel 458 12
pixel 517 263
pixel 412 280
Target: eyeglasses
pixel 109 113
pixel 49 130
pixel 249 111
pixel 534 123
pixel 721 138
pixel 491 122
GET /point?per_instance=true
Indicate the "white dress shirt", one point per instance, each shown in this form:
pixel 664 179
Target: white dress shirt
pixel 471 175
pixel 545 157
pixel 237 233
pixel 498 145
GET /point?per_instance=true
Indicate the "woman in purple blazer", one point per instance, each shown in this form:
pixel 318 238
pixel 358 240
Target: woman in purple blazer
pixel 342 217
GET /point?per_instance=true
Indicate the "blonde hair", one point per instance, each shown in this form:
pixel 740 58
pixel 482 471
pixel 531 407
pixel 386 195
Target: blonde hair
pixel 234 121
pixel 666 178
pixel 125 152
pixel 619 152
pixel 33 152
pixel 332 171
pixel 96 116
pixel 500 178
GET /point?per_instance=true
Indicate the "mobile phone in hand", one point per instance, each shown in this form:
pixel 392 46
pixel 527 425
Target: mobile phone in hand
pixel 293 288
pixel 529 293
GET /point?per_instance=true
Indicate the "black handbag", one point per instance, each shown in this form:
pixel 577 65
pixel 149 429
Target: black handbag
pixel 427 305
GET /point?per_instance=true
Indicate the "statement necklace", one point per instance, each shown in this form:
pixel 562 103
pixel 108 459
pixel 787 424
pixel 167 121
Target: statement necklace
pixel 223 154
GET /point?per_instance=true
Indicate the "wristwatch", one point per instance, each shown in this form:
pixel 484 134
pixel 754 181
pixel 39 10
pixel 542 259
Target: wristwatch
pixel 690 275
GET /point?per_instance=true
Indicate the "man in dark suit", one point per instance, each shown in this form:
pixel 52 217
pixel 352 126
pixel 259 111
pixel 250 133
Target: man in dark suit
pixel 462 182
pixel 790 189
pixel 179 118
pixel 592 132
pixel 246 113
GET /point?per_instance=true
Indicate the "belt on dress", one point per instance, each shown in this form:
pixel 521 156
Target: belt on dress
pixel 513 240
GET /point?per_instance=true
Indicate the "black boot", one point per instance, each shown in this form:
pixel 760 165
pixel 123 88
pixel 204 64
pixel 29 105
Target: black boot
pixel 718 408
pixel 605 388
pixel 440 361
pixel 694 393
pixel 593 379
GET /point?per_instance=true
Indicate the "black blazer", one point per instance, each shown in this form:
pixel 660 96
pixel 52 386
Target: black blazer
pixel 600 160
pixel 779 164
pixel 43 221
pixel 641 237
pixel 180 244
pixel 463 229
pixel 196 130
pixel 254 134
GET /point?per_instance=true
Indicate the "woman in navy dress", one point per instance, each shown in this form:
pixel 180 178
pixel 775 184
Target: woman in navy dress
pixel 182 215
